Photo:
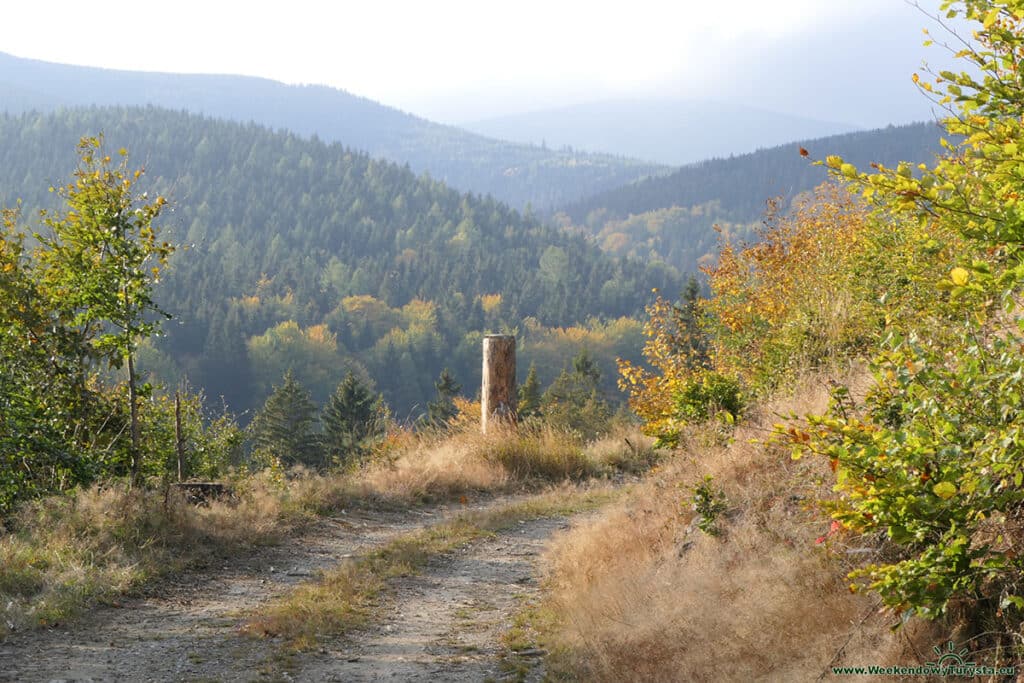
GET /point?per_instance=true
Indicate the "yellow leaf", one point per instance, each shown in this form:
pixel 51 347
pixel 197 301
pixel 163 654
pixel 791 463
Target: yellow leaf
pixel 944 490
pixel 959 276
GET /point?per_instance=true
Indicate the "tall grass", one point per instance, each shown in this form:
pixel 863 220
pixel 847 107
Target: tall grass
pixel 643 594
pixel 68 552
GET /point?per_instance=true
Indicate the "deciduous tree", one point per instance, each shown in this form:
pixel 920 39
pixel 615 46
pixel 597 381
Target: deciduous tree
pixel 99 262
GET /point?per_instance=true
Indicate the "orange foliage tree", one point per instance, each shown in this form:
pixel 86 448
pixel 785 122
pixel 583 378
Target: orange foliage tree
pixel 795 296
pixel 788 300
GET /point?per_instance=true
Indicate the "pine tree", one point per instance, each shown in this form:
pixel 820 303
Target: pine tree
pixel 689 341
pixel 574 401
pixel 442 408
pixel 285 427
pixel 530 394
pixel 354 415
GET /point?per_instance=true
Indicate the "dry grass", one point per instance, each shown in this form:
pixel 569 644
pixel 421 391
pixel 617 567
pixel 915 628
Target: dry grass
pixel 91 547
pixel 349 596
pixel 643 594
pixel 624 450
pixel 68 552
pixel 469 461
pixel 537 453
pixel 440 469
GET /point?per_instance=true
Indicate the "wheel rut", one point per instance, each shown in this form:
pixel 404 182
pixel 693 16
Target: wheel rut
pixel 446 624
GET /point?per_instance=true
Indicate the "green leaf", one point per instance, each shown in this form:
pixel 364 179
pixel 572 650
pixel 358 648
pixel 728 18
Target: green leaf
pixel 1015 600
pixel 944 490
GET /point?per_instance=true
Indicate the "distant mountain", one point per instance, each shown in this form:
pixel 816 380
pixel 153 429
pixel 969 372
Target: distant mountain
pixel 516 173
pixel 672 132
pixel 671 218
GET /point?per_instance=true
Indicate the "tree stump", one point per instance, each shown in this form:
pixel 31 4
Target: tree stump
pixel 498 393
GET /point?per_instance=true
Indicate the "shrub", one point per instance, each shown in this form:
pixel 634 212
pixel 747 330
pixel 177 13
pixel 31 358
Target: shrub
pixel 933 459
pixel 707 394
pixel 709 503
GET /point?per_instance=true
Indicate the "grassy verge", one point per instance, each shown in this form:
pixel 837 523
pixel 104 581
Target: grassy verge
pixel 349 596
pixel 645 593
pixel 60 555
pixel 529 633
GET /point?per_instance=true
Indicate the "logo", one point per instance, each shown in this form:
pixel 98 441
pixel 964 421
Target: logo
pixel 951 661
pixel 950 658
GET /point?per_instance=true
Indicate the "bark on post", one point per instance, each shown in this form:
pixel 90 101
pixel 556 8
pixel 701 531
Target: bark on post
pixel 498 393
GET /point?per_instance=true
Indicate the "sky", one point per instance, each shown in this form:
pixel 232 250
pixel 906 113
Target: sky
pixel 463 60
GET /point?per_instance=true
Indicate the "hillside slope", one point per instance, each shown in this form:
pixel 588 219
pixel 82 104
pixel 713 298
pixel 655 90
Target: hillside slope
pixel 672 217
pixel 312 256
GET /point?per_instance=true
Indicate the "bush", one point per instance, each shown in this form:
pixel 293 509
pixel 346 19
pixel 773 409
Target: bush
pixel 707 394
pixel 709 503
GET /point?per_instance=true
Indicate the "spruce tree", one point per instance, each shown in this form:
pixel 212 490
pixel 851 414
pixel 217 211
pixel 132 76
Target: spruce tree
pixel 530 394
pixel 585 368
pixel 354 415
pixel 285 427
pixel 574 400
pixel 688 340
pixel 442 408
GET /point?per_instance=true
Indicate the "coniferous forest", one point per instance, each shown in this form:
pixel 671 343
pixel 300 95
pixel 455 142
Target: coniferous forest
pixel 679 217
pixel 313 257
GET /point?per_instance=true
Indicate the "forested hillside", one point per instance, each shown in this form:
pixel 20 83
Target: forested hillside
pixel 514 173
pixel 315 257
pixel 672 216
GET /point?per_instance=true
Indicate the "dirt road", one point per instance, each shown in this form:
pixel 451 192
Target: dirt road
pixel 441 625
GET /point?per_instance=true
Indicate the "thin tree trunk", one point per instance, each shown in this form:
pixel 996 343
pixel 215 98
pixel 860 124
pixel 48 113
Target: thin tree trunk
pixel 178 438
pixel 133 401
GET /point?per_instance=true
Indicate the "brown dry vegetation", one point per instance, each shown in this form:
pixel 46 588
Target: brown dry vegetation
pixel 643 594
pixel 59 555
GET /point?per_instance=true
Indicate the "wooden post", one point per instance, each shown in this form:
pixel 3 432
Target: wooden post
pixel 498 393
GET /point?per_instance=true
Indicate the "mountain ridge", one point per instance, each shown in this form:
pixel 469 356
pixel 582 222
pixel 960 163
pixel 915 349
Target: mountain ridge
pixel 518 174
pixel 662 130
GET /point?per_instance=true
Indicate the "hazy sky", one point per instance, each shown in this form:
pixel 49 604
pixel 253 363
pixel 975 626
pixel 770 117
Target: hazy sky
pixel 458 60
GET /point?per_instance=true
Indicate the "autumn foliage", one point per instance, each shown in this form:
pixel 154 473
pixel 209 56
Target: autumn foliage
pixel 790 300
pixel 794 297
pixel 922 277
